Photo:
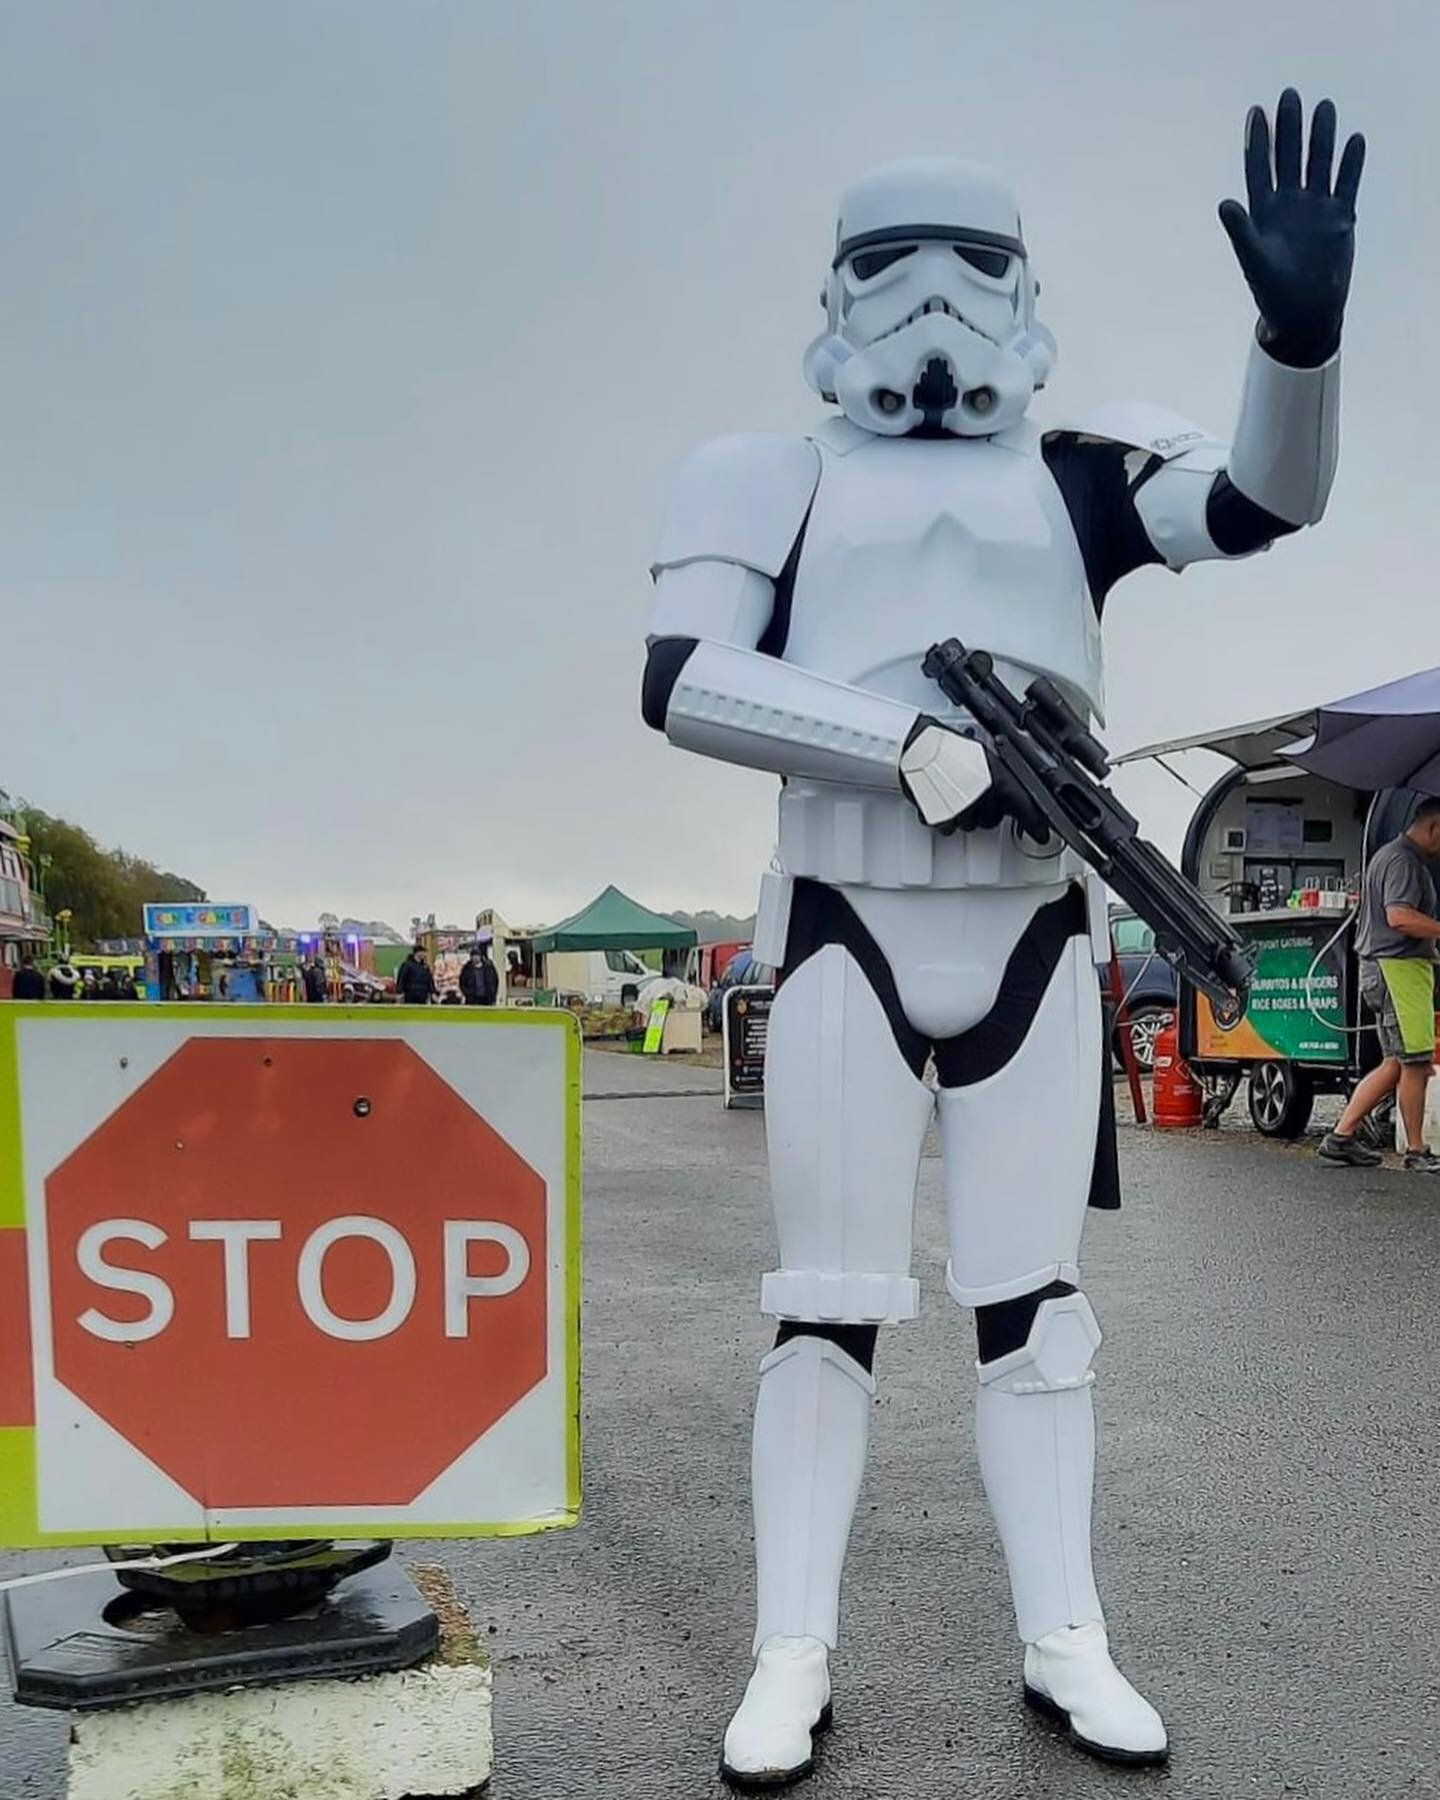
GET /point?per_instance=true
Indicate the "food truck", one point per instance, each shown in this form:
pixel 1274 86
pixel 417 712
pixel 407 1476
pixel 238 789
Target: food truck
pixel 512 950
pixel 1281 853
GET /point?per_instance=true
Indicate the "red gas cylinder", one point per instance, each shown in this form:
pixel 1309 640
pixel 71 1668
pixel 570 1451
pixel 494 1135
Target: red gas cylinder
pixel 1178 1101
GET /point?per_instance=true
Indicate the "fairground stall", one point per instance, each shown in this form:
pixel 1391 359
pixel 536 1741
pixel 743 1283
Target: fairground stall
pixel 512 950
pixel 1281 852
pixel 202 951
pixel 24 926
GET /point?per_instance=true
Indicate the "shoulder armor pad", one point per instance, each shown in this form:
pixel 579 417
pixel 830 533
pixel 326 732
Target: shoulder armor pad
pixel 740 499
pixel 1153 429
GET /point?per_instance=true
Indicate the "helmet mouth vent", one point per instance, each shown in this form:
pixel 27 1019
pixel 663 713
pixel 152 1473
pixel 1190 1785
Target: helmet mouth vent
pixel 935 392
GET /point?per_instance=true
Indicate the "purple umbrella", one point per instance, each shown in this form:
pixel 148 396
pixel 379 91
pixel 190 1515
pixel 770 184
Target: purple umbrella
pixel 1386 737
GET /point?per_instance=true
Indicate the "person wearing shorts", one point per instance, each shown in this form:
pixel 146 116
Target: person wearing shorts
pixel 1396 939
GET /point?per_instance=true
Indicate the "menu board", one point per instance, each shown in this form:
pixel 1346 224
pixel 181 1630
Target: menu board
pixel 745 1023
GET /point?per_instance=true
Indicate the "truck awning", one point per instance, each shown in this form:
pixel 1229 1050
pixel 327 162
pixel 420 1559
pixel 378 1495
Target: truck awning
pixel 1255 746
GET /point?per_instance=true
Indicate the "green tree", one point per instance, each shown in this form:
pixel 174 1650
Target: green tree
pixel 103 890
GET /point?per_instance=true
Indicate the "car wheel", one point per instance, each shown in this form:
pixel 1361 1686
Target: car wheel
pixel 1145 1026
pixel 1282 1096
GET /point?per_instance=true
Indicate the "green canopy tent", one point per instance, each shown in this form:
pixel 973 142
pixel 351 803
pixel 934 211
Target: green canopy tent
pixel 613 921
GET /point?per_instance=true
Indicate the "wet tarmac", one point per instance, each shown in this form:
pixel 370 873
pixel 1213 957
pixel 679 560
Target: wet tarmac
pixel 1266 1519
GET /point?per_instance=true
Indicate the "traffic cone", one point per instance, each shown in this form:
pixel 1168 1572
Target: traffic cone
pixel 1178 1102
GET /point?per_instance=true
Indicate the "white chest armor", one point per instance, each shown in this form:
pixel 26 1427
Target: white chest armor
pixel 909 542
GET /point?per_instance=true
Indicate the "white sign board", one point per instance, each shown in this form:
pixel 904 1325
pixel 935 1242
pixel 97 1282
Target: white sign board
pixel 271 1271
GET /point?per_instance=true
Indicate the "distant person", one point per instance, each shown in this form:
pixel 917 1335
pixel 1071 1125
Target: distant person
pixel 107 987
pixel 29 982
pixel 315 983
pixel 91 986
pixel 480 979
pixel 416 979
pixel 1395 939
pixel 64 980
pixel 125 988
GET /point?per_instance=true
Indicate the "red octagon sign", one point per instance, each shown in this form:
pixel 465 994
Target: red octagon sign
pixel 298 1273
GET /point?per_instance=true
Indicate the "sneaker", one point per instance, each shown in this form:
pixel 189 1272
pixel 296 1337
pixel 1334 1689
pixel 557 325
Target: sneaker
pixel 1422 1162
pixel 1351 1152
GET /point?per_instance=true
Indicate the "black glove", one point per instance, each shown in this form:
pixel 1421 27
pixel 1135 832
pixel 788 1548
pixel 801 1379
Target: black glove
pixel 1296 244
pixel 1003 799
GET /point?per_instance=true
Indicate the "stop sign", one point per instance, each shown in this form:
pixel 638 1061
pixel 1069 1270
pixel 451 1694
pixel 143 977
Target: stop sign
pixel 297 1272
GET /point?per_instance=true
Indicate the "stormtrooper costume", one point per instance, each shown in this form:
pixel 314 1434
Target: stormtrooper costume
pixel 800 581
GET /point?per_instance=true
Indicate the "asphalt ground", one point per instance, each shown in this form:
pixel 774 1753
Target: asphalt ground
pixel 1266 1516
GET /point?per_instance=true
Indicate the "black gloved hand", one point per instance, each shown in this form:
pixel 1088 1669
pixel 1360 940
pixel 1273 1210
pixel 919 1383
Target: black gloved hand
pixel 1003 799
pixel 1296 244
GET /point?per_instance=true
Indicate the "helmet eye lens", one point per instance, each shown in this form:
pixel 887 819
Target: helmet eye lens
pixel 869 263
pixel 994 263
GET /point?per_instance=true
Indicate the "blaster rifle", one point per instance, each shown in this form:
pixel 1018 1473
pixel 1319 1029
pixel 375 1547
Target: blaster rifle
pixel 1049 752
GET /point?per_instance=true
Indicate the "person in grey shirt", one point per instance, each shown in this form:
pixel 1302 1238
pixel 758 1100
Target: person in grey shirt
pixel 1395 939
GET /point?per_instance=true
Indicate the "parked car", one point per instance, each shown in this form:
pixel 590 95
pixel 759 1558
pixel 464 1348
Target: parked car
pixel 741 971
pixel 1148 981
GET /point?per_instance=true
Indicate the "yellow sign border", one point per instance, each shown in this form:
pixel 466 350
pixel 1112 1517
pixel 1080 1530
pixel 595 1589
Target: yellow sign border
pixel 19 1486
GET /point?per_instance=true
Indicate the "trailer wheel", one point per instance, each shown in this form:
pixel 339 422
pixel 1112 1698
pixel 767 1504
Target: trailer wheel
pixel 1282 1097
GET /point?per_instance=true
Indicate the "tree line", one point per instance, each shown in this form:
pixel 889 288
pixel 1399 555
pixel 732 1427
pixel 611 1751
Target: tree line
pixel 102 890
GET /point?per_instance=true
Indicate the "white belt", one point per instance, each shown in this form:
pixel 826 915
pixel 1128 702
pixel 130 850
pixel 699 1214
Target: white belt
pixel 860 838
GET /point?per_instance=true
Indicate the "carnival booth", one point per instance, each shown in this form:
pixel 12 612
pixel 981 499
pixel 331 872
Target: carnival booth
pixel 512 950
pixel 24 924
pixel 201 951
pixel 1280 848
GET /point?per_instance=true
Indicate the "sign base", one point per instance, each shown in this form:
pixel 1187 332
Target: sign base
pixel 422 1731
pixel 86 1642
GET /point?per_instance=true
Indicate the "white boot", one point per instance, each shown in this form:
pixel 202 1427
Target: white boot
pixel 769 1742
pixel 1069 1675
pixel 1035 1431
pixel 812 1429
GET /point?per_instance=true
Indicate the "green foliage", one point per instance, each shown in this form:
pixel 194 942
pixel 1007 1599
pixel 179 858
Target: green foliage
pixel 103 890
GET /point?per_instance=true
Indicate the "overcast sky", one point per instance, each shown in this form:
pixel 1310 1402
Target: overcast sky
pixel 348 348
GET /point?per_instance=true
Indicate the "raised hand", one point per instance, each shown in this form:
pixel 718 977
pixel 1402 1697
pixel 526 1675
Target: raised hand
pixel 1296 243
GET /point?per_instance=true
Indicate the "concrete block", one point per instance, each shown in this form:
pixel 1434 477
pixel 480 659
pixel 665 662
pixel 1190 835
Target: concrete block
pixel 409 1735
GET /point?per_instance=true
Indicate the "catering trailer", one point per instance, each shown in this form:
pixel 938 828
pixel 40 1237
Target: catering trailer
pixel 1282 854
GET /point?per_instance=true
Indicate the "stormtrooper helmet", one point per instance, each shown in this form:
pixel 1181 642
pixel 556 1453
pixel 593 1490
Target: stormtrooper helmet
pixel 930 305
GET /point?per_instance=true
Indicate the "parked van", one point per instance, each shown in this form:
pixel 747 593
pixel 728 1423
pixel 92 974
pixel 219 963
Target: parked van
pixel 604 977
pixel 133 966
